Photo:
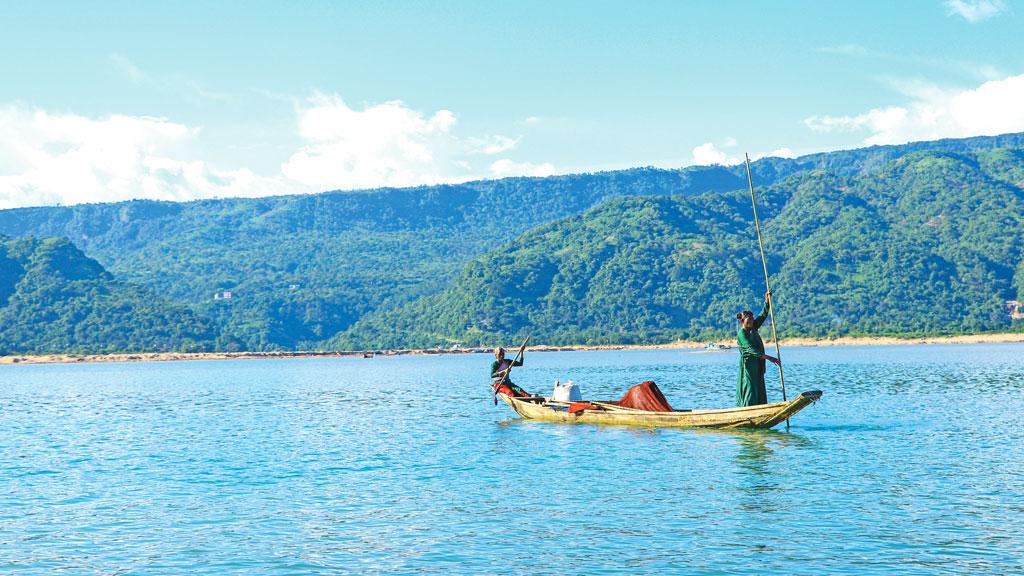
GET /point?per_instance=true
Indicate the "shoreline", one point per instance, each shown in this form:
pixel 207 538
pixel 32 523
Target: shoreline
pixel 17 359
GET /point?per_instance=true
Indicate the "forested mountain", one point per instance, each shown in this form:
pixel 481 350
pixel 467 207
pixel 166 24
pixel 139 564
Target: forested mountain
pixel 55 299
pixel 352 268
pixel 302 268
pixel 929 243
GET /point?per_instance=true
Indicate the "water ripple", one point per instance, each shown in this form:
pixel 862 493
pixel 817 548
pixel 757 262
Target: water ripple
pixel 910 464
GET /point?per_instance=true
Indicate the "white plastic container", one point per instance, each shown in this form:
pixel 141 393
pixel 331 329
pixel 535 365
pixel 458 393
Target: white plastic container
pixel 567 392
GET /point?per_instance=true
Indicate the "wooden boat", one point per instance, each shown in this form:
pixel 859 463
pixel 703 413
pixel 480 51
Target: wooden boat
pixel 763 416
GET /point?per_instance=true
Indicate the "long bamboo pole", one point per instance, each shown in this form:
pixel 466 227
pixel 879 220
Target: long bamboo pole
pixel 767 282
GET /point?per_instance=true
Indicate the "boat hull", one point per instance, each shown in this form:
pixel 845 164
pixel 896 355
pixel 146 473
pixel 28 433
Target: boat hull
pixel 762 416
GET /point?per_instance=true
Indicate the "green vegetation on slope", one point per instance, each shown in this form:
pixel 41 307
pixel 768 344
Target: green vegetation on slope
pixel 361 269
pixel 926 244
pixel 55 299
pixel 304 268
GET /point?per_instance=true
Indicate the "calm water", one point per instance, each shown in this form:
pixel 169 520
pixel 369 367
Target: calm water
pixel 913 459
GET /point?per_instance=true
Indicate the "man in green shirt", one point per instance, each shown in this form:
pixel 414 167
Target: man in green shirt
pixel 498 368
pixel 750 390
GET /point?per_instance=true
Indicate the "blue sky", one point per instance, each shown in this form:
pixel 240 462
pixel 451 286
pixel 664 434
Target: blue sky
pixel 116 100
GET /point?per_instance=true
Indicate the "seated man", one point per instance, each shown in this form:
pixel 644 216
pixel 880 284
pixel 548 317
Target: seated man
pixel 498 368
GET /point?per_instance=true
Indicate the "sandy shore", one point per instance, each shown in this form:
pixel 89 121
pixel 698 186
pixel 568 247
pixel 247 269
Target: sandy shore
pixel 678 345
pixel 172 356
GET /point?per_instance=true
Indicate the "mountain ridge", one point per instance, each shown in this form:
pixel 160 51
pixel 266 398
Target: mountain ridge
pixel 303 270
pixel 909 249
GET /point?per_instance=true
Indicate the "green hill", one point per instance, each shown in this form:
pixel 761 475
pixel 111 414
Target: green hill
pixel 925 244
pixel 317 270
pixel 54 299
pixel 303 268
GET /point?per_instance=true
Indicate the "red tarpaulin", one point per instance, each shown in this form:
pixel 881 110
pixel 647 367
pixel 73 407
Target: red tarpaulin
pixel 645 396
pixel 577 407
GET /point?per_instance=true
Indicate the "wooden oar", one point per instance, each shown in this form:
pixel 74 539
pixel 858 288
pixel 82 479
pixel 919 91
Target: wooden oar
pixel 767 282
pixel 508 371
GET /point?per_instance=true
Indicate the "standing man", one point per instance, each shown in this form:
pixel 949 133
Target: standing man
pixel 750 389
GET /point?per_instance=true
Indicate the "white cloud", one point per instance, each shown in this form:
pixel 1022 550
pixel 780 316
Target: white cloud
pixel 385 144
pixel 988 72
pixel 390 144
pixel 128 68
pixel 707 154
pixel 48 158
pixel 777 153
pixel 967 68
pixel 992 108
pixel 185 87
pixel 975 10
pixel 491 145
pixel 69 159
pixel 505 167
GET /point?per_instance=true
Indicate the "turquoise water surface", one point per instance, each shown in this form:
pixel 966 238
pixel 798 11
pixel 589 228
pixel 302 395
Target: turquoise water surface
pixel 912 461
